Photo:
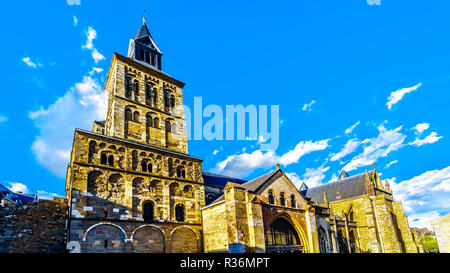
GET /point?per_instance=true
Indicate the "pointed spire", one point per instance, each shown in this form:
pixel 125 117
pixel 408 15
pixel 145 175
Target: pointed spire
pixel 143 18
pixel 343 174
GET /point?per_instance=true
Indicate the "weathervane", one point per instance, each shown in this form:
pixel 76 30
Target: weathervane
pixel 143 17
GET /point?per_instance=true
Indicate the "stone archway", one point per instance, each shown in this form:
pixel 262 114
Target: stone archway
pixel 282 236
pixel 183 240
pixel 148 239
pixel 105 238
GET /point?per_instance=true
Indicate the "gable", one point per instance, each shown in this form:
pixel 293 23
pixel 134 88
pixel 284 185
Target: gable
pixel 280 183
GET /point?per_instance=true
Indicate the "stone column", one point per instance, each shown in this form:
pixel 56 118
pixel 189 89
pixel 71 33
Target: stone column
pixel 236 214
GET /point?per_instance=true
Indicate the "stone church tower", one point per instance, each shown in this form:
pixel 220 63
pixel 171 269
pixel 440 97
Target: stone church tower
pixel 131 184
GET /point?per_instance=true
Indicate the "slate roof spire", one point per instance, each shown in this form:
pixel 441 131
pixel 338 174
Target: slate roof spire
pixel 143 48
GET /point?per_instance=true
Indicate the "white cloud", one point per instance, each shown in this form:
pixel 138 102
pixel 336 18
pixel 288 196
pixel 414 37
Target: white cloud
pixel 91 34
pixel 421 220
pixel 244 164
pixel 295 179
pixel 95 70
pixel 75 20
pixel 215 152
pixel 431 138
pixel 308 106
pixel 424 193
pixel 78 108
pixel 386 142
pixel 349 148
pixel 390 163
pixel 97 56
pixel 73 2
pixel 47 195
pixel 350 129
pixel 397 95
pixel 422 127
pixel 27 61
pixel 314 176
pixel 18 187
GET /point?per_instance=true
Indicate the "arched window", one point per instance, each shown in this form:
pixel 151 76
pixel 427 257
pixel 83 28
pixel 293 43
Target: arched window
pixel 172 102
pixel 168 128
pixel 170 166
pixel 93 177
pixel 174 189
pixel 293 203
pixel 92 149
pixel 136 90
pixel 166 101
pixel 128 117
pixel 322 240
pixel 179 213
pixel 111 160
pixel 148 211
pixel 281 232
pixel 153 97
pixel 104 159
pixel 150 167
pixel 136 116
pixel 180 172
pixel 148 123
pixel 147 57
pixel 271 197
pixel 156 122
pixel 128 87
pixel 135 159
pixel 144 166
pixel 141 54
pixel 282 199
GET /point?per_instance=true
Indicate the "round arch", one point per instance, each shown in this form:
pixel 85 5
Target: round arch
pixel 302 237
pixel 184 239
pixel 104 238
pixel 148 239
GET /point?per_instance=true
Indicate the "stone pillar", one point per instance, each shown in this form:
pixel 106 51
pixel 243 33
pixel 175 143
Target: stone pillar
pixel 334 236
pixel 236 214
pixel 403 226
pixel 256 226
pixel 311 226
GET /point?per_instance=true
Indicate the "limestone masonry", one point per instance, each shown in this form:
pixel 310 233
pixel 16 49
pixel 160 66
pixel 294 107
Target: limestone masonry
pixel 131 186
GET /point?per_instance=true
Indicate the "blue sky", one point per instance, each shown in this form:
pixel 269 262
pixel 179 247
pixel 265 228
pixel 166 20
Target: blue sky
pixel 355 84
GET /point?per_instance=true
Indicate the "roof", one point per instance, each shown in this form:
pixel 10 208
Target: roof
pixel 251 185
pixel 16 198
pixel 219 180
pixel 144 33
pixel 348 187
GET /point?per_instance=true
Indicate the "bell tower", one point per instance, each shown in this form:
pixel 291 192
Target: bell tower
pixel 144 49
pixel 145 104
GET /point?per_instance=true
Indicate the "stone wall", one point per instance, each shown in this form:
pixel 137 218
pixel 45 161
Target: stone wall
pixel 33 228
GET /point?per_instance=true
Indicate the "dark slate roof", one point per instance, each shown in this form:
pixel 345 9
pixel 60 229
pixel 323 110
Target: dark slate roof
pixel 143 32
pixel 251 185
pixel 347 187
pixel 219 180
pixel 16 198
pixel 100 122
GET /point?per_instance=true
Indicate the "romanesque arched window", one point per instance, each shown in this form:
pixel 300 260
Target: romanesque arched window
pixel 134 160
pixel 136 116
pixel 148 211
pixel 128 117
pixel 172 102
pixel 174 189
pixel 92 182
pixel 92 150
pixel 282 199
pixel 170 166
pixel 150 167
pixel 156 122
pixel 128 86
pixel 148 123
pixel 111 160
pixel 293 203
pixel 153 97
pixel 168 130
pixel 271 197
pixel 144 166
pixel 179 213
pixel 136 89
pixel 104 159
pixel 166 101
pixel 181 172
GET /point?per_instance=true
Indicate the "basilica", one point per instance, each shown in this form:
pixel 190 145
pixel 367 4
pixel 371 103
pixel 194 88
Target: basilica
pixel 132 186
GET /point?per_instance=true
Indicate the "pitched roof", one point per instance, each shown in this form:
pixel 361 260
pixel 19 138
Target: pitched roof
pixel 251 185
pixel 347 187
pixel 144 33
pixel 219 180
pixel 17 198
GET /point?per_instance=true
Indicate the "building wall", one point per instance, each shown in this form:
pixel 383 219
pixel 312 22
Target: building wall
pixel 215 229
pixel 441 228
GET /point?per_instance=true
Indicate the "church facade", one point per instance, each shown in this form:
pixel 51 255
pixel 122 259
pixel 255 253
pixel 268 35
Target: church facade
pixel 133 187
